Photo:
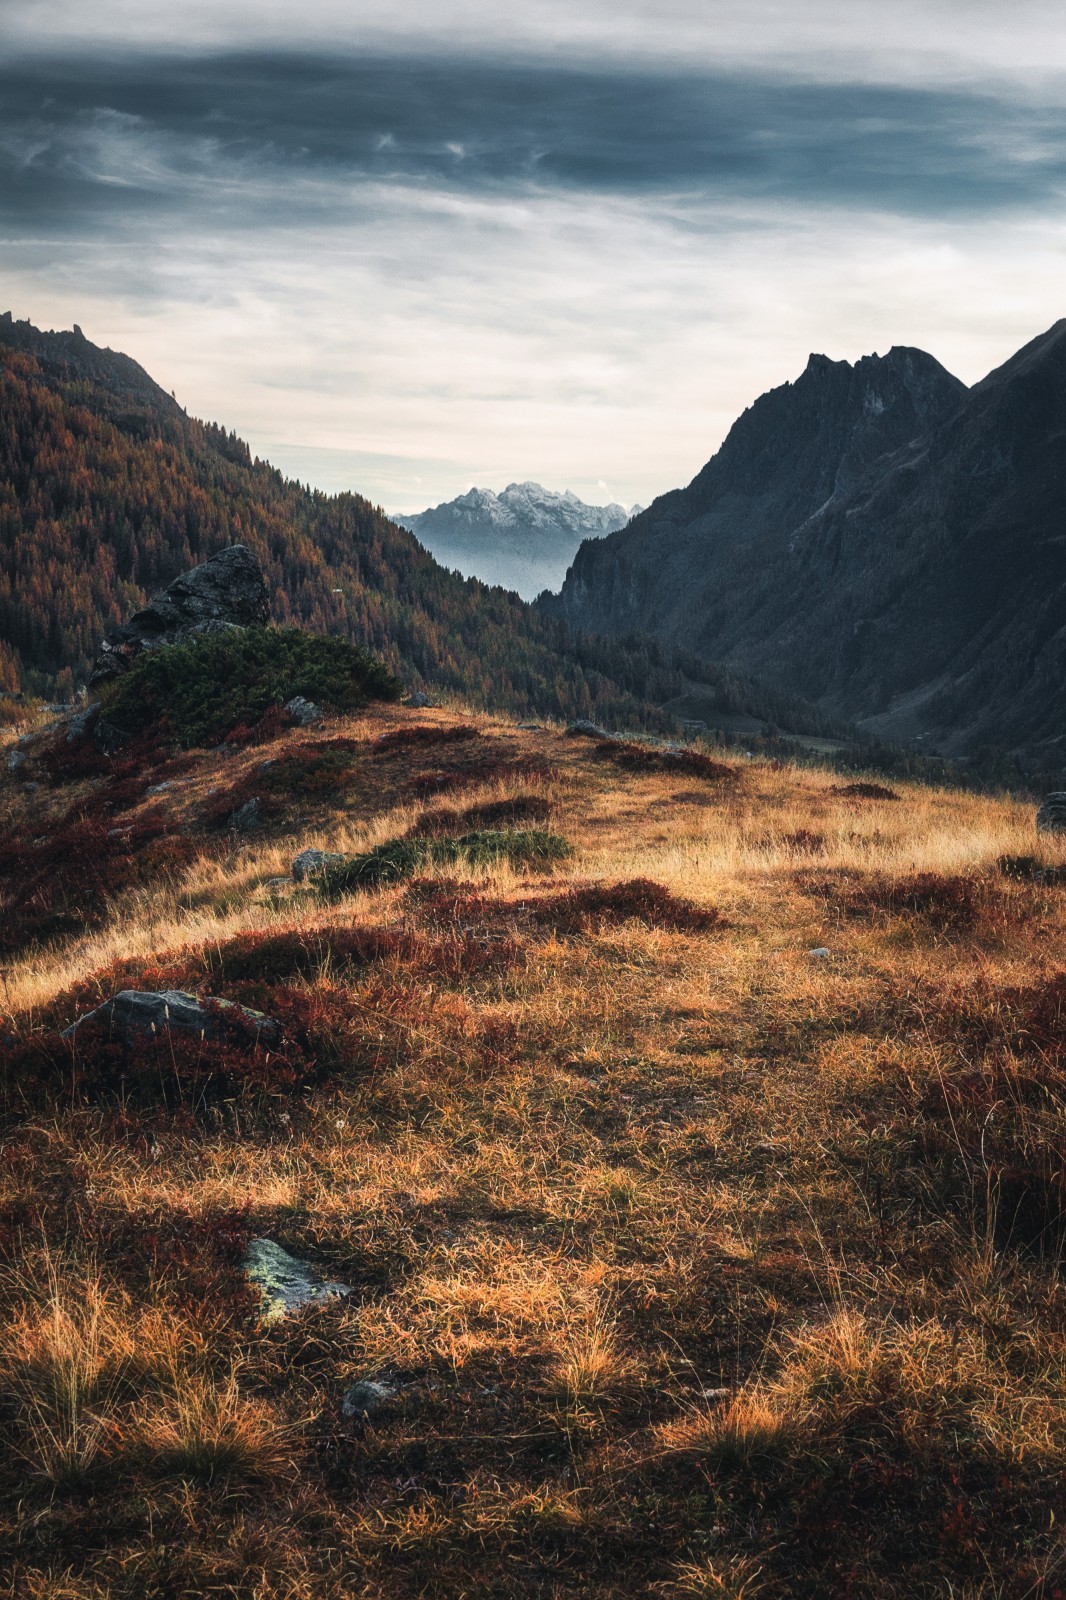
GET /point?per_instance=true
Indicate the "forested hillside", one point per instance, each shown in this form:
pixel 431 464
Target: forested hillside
pixel 108 490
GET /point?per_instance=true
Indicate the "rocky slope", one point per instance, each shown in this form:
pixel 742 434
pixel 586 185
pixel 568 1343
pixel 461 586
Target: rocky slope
pixel 880 539
pixel 523 539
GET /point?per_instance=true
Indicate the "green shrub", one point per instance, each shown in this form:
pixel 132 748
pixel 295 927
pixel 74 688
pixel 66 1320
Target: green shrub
pixel 205 689
pixel 400 858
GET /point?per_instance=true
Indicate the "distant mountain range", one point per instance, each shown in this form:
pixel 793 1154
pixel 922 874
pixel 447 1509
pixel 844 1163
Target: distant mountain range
pixel 523 539
pixel 880 539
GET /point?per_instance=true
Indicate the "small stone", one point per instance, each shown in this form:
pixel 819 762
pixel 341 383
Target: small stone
pixel 821 954
pixel 1051 818
pixel 366 1398
pixel 310 862
pixel 303 712
pixel 285 1282
pixel 159 788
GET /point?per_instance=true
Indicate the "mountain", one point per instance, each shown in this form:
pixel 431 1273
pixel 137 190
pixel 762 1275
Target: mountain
pixel 523 539
pixel 880 539
pixel 108 490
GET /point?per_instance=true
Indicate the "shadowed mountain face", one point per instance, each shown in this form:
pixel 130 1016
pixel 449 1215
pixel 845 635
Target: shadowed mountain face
pixel 524 538
pixel 877 537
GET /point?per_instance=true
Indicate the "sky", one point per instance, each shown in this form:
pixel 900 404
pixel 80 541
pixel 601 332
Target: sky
pixel 406 248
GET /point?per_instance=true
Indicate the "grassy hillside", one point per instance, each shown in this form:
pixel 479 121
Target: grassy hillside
pixel 693 1262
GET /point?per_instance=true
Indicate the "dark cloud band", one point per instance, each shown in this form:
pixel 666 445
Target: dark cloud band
pixel 89 142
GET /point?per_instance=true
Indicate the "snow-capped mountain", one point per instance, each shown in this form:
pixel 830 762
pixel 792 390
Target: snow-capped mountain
pixel 524 538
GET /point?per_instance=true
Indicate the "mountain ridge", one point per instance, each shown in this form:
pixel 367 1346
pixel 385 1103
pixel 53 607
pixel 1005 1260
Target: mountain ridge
pixel 878 536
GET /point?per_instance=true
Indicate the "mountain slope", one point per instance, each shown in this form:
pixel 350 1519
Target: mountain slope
pixel 108 491
pixel 524 538
pixel 877 537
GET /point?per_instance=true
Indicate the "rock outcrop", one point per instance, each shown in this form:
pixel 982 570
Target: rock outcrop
pixel 227 591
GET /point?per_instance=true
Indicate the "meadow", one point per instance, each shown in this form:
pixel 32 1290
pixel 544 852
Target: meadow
pixel 700 1189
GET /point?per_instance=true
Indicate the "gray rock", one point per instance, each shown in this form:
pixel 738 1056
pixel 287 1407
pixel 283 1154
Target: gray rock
pixel 419 700
pixel 1051 818
pixel 134 1013
pixel 303 712
pixel 821 954
pixel 16 758
pixel 160 788
pixel 310 862
pixel 367 1398
pixel 286 1283
pixel 584 729
pixel 228 591
pixel 82 721
pixel 246 818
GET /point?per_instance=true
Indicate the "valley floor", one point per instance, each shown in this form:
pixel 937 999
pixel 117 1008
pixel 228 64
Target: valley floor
pixel 700 1254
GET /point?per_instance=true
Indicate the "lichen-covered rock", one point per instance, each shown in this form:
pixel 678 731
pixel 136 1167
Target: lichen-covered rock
pixel 136 1013
pixel 228 591
pixel 310 862
pixel 419 700
pixel 303 712
pixel 583 729
pixel 286 1283
pixel 1051 818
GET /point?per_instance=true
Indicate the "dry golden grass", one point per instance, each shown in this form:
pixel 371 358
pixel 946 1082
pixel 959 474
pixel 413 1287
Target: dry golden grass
pixel 698 1265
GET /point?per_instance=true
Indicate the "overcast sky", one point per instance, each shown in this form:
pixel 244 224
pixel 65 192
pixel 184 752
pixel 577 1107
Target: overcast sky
pixel 405 248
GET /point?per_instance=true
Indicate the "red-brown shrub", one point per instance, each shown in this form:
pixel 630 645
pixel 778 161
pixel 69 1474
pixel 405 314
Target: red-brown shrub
pixel 947 903
pixel 424 734
pixel 579 909
pixel 865 791
pixel 633 757
pixel 515 811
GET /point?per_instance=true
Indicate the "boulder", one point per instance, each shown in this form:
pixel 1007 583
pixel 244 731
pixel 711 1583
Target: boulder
pixel 303 712
pixel 228 591
pixel 246 818
pixel 285 1282
pixel 1051 818
pixel 15 759
pixel 133 1013
pixel 419 700
pixel 81 722
pixel 309 862
pixel 584 729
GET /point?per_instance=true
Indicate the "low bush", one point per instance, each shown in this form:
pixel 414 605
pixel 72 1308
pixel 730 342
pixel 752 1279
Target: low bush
pixel 865 791
pixel 510 813
pixel 947 903
pixel 633 757
pixel 401 858
pixel 579 909
pixel 203 690
pixel 423 734
pixel 483 769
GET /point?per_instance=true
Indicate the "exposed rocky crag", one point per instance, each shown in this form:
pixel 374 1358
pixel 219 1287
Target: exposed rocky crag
pixel 227 591
pixel 878 538
pixel 523 538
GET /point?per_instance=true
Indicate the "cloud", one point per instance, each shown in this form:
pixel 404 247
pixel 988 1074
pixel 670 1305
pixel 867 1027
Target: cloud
pixel 401 267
